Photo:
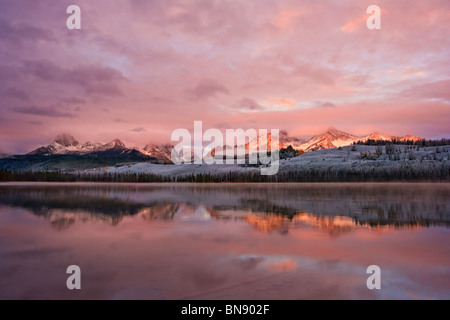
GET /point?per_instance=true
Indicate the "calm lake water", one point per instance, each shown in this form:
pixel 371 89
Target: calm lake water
pixel 225 241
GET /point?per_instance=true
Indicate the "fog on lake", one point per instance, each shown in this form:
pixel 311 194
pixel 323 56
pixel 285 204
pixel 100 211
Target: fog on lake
pixel 224 241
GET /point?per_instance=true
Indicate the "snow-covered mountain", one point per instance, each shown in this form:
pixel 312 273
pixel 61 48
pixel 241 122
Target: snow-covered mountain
pixel 67 144
pixel 407 137
pixel 160 152
pixel 265 141
pixel 332 138
pixel 377 136
pixel 115 144
pixel 262 142
pixel 383 136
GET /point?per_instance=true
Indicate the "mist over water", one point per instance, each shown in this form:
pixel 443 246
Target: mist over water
pixel 224 241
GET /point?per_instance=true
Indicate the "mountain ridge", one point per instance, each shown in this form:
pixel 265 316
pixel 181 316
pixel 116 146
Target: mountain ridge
pixel 330 139
pixel 66 144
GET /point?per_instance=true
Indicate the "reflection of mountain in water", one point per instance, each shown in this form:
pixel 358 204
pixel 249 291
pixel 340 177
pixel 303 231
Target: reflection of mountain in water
pixel 61 219
pixel 332 225
pixel 64 207
pixel 269 223
pixel 334 208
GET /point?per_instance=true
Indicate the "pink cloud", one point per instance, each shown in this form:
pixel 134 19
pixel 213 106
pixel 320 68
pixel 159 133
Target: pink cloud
pixel 207 88
pixel 222 62
pixel 282 102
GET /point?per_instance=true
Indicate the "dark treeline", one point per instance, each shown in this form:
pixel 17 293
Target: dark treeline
pixel 402 172
pixel 419 143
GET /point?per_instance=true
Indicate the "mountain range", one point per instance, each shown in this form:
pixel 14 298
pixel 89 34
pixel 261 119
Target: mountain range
pixel 65 151
pixel 65 144
pixel 334 138
pixel 330 139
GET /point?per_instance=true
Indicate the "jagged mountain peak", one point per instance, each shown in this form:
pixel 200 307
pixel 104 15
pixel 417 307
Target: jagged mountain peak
pixel 335 133
pixel 332 130
pixel 90 152
pixel 116 143
pixel 378 136
pixel 150 146
pixel 160 152
pixel 332 138
pixel 67 144
pixel 410 137
pixel 66 140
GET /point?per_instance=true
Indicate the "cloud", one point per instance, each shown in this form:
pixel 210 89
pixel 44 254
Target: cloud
pixel 17 33
pixel 324 104
pixel 162 100
pixel 354 24
pixel 435 90
pixel 93 79
pixel 293 50
pixel 247 104
pixel 50 112
pixel 357 79
pixel 318 74
pixel 73 100
pixel 222 125
pixel 281 102
pixel 284 19
pixel 207 88
pixel 282 265
pixel 16 93
pixel 138 130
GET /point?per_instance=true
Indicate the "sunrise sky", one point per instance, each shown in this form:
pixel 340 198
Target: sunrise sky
pixel 139 69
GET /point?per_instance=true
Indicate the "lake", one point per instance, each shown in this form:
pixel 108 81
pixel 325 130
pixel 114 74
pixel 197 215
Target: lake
pixel 225 241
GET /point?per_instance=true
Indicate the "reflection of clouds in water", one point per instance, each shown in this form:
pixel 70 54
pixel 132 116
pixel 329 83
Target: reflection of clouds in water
pixel 282 265
pixel 156 254
pixel 273 263
pixel 200 213
pixel 34 253
pixel 249 262
pixel 206 277
pixel 334 208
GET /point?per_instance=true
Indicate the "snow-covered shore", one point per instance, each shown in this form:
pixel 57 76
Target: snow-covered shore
pixel 359 157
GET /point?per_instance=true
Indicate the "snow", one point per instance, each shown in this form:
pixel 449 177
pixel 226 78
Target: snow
pixel 162 152
pixel 178 170
pixel 328 158
pixel 332 138
pixel 66 144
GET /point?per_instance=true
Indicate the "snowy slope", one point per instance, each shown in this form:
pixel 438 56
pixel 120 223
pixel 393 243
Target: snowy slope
pixel 160 152
pixel 67 144
pixel 347 157
pixel 332 138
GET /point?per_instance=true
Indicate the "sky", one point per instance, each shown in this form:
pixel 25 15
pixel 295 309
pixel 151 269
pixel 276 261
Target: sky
pixel 139 69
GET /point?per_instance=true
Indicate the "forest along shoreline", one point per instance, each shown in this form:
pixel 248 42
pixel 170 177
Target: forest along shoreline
pixel 354 163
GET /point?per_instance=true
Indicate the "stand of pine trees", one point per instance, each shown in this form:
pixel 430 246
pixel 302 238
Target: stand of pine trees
pixel 420 143
pixel 438 171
